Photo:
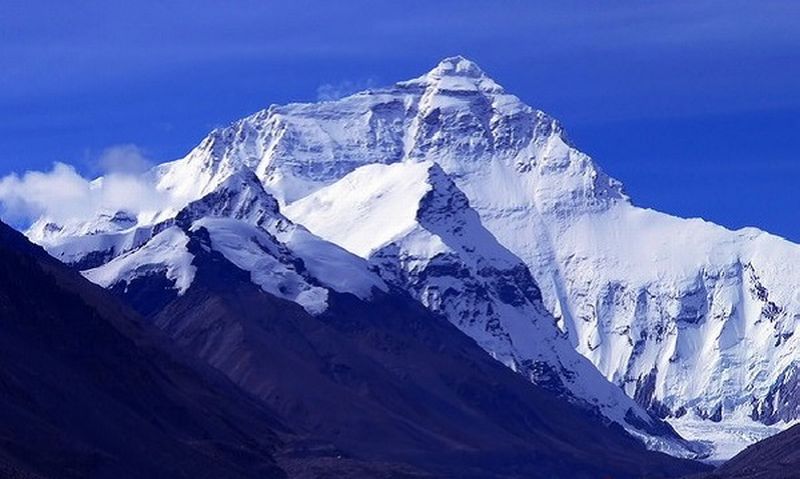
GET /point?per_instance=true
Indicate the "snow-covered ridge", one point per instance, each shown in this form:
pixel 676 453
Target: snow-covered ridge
pixel 454 74
pixel 244 224
pixel 691 319
pixel 411 221
pixel 165 253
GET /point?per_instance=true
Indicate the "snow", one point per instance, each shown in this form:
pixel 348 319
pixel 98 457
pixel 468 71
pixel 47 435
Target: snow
pixel 251 249
pixel 378 203
pixel 71 249
pixel 728 355
pixel 332 265
pixel 246 226
pixel 165 253
pixel 240 206
pixel 456 74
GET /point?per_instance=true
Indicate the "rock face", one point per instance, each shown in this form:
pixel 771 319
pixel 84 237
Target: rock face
pixel 690 319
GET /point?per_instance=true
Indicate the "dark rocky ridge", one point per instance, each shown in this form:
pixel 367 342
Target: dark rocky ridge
pixel 89 390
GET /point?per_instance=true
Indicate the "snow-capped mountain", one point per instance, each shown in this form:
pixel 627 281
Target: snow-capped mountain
pixel 690 319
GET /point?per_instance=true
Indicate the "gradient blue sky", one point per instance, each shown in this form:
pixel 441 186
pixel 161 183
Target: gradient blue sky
pixel 693 105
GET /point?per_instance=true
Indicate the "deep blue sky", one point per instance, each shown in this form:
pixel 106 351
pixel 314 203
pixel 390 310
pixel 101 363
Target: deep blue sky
pixel 693 105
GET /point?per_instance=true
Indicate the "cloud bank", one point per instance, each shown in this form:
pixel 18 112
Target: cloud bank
pixel 63 195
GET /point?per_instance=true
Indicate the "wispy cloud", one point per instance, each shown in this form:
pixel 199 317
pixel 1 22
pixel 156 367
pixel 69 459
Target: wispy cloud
pixel 334 91
pixel 126 159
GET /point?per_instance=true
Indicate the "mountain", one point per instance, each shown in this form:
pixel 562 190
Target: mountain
pixel 149 263
pixel 343 357
pixel 90 390
pixel 385 381
pixel 693 321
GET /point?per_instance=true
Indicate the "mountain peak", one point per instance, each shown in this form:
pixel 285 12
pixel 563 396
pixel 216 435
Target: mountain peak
pixel 240 196
pixel 456 74
pixel 457 66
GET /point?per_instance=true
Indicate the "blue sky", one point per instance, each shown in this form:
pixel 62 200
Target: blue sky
pixel 693 105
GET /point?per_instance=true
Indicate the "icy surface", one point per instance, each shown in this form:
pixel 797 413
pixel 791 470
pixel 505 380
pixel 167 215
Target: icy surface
pixel 377 203
pixel 332 265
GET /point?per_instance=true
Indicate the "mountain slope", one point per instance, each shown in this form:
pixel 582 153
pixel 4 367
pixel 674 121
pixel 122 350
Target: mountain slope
pixel 87 391
pixel 385 381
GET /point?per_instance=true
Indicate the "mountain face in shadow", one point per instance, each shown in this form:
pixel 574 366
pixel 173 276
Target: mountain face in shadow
pixel 88 390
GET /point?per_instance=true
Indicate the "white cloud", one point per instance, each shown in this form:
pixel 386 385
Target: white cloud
pixel 63 195
pixel 123 159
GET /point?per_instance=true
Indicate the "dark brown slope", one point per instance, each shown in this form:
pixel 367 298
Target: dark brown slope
pixel 387 381
pixel 86 391
pixel 777 457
